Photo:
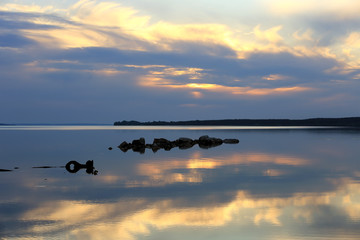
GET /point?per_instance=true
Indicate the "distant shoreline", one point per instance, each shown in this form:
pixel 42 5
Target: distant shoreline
pixel 331 122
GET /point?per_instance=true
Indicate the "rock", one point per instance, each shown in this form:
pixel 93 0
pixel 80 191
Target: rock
pixel 139 142
pixel 209 142
pixel 124 146
pixel 162 143
pixel 184 143
pixel 154 148
pixel 110 148
pixel 184 140
pixel 139 149
pixel 231 141
pixel 203 138
pixel 138 145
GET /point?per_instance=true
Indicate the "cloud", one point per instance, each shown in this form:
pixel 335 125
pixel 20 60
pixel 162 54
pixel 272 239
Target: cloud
pixel 206 64
pixel 276 77
pixel 14 40
pixel 13 7
pixel 127 218
pixel 305 35
pixel 159 173
pixel 334 8
pixel 270 35
pixel 109 24
pixel 217 88
pixel 107 14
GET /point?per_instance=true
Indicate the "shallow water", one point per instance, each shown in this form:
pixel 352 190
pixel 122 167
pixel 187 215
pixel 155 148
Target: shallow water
pixel 275 184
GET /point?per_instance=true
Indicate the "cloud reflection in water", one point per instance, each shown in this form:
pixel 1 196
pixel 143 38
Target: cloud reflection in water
pixel 238 192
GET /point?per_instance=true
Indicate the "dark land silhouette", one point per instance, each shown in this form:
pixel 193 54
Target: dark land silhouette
pixel 324 122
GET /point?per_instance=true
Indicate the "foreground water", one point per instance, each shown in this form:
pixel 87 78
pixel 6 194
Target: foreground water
pixel 275 184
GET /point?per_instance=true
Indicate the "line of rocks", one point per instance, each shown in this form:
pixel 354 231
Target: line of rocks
pixel 205 142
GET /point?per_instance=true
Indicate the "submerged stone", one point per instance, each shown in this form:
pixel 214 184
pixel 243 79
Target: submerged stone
pixel 139 145
pixel 231 141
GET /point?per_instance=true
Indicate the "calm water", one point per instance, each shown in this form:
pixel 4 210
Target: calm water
pixel 274 184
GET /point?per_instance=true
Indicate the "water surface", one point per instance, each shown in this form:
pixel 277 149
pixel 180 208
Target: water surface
pixel 275 184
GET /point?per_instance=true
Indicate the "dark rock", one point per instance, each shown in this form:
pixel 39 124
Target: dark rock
pixel 162 143
pixel 110 148
pixel 139 149
pixel 203 138
pixel 184 140
pixel 124 146
pixel 139 142
pixel 154 148
pixel 184 143
pixel 231 141
pixel 138 145
pixel 209 142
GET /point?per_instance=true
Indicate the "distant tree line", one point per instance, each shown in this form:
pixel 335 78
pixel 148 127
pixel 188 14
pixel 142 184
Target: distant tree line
pixel 334 122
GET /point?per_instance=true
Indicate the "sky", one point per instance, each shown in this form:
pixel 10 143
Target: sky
pixel 93 61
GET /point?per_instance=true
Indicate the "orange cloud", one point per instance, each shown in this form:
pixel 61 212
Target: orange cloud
pixel 162 173
pixel 158 82
pixel 270 35
pixel 276 77
pixel 197 94
pixel 110 24
pixel 192 73
pixel 126 219
pixel 25 8
pixel 339 9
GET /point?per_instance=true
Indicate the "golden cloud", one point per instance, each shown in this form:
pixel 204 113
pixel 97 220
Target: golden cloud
pixel 305 36
pixel 159 82
pixel 125 219
pixel 276 77
pixel 107 14
pixel 335 8
pixel 25 8
pixel 270 35
pixel 41 66
pixel 163 173
pixel 110 24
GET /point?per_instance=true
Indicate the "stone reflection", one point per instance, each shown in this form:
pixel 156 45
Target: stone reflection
pixel 72 167
pixel 5 170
